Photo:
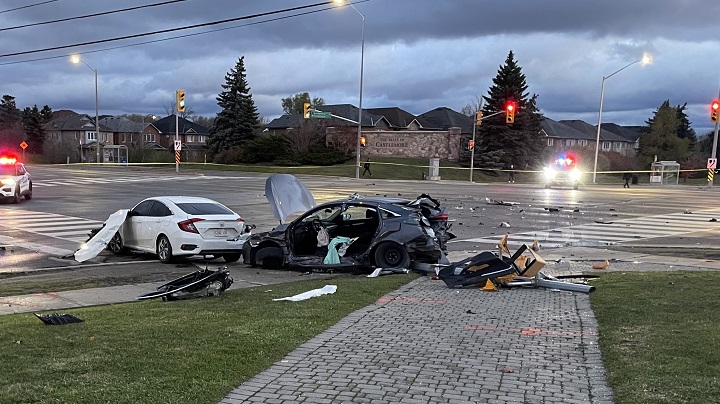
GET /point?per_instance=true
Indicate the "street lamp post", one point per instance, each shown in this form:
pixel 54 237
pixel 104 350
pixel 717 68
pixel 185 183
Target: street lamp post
pixel 76 59
pixel 362 66
pixel 645 60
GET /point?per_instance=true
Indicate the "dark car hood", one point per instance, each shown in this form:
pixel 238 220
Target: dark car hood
pixel 287 195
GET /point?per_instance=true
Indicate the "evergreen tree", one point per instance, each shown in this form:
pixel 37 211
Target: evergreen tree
pixel 519 143
pixel 238 120
pixel 661 139
pixel 9 113
pixel 33 120
pixel 684 130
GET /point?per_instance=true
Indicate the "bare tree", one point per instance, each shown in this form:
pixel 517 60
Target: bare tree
pixel 310 132
pixel 473 106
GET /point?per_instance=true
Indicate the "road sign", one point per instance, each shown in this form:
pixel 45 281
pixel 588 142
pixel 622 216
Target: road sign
pixel 712 163
pixel 23 145
pixel 319 114
pixel 178 145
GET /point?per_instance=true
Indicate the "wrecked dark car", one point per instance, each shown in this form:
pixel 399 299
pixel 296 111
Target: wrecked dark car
pixel 354 232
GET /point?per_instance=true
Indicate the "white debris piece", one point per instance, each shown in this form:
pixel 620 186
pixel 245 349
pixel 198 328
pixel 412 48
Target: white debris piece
pixel 100 240
pixel 325 290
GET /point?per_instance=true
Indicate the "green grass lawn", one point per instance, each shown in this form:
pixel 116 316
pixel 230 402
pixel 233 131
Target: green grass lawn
pixel 191 351
pixel 659 335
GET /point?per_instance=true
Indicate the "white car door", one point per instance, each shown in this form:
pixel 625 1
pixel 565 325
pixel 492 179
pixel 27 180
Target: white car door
pixel 133 234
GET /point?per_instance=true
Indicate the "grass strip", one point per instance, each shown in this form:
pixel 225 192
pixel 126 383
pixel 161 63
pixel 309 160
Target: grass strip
pixel 191 351
pixel 659 335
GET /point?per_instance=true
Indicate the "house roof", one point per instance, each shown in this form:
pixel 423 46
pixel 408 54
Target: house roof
pixel 444 118
pixel 122 124
pixel 398 118
pixel 556 129
pixel 75 122
pixel 286 121
pixel 351 112
pixel 630 133
pixel 591 130
pixel 167 125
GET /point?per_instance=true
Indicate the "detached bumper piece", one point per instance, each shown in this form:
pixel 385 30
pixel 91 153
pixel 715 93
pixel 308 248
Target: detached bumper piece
pixel 200 283
pixel 476 270
pixel 489 270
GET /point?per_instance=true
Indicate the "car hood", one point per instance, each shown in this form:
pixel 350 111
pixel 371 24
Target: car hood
pixel 287 195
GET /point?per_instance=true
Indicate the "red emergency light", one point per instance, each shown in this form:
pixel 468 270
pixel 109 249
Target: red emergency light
pixel 8 160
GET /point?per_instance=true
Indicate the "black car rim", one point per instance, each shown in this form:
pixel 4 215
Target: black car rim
pixel 393 256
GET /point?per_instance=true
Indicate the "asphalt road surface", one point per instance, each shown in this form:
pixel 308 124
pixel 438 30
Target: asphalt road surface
pixel 69 201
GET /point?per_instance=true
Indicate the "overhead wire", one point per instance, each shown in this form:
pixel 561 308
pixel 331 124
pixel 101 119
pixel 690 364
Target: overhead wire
pixel 185 35
pixel 92 15
pixel 27 6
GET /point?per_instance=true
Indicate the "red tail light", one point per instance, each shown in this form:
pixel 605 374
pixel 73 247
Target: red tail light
pixel 443 216
pixel 189 225
pixel 240 219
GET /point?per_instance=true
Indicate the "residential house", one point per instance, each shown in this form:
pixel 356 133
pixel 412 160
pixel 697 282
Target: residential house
pixel 561 137
pixel 193 137
pixel 631 133
pixel 74 137
pixel 609 141
pixel 131 136
pixel 399 119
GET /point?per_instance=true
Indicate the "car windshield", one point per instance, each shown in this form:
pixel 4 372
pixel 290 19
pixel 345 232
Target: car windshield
pixel 7 169
pixel 204 208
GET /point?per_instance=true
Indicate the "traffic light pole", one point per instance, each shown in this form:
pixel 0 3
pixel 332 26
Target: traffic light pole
pixel 714 150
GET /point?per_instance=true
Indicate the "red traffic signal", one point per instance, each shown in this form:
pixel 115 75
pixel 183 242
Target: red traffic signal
pixel 714 107
pixel 363 141
pixel 510 112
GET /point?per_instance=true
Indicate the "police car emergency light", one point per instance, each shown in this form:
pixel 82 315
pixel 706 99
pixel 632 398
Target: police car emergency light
pixel 563 171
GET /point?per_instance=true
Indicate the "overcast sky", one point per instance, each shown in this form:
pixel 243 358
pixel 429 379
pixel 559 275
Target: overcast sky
pixel 419 54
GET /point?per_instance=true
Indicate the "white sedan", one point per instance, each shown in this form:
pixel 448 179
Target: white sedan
pixel 172 226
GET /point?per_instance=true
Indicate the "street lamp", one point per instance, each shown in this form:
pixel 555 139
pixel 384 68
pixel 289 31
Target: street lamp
pixel 646 59
pixel 362 64
pixel 142 135
pixel 76 59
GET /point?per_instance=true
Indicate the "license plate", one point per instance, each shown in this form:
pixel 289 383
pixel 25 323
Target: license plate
pixel 221 232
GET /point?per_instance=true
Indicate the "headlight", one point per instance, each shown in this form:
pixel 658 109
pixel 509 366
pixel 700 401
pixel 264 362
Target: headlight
pixel 548 173
pixel 575 174
pixel 7 181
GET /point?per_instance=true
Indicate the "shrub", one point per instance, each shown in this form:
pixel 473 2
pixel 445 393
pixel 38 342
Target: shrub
pixel 322 155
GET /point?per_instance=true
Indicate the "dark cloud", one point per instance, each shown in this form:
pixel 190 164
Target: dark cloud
pixel 419 54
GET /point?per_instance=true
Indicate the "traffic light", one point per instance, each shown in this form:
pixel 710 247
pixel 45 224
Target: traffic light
pixel 363 141
pixel 478 118
pixel 180 100
pixel 714 111
pixel 510 112
pixel 306 110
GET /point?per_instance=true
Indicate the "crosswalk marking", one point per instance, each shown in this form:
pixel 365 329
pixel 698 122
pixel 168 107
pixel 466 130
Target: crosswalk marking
pixel 617 231
pixel 68 228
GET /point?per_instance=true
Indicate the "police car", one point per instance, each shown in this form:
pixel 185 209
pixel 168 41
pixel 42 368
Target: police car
pixel 562 172
pixel 15 181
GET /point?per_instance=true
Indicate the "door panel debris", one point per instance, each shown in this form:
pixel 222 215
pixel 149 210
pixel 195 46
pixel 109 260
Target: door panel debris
pixel 325 290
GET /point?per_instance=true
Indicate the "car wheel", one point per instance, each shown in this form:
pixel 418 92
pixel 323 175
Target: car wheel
pixel 391 255
pixel 16 195
pixel 164 250
pixel 28 196
pixel 269 257
pixel 116 245
pixel 231 257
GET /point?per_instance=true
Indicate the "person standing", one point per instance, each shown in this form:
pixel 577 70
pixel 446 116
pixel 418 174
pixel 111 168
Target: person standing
pixel 627 177
pixel 511 174
pixel 366 167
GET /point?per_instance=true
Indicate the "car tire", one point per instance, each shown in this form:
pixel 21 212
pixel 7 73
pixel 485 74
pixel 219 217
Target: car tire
pixel 231 257
pixel 16 195
pixel 164 250
pixel 28 196
pixel 116 246
pixel 269 257
pixel 391 255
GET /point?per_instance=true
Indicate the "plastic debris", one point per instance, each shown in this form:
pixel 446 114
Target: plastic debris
pixel 325 290
pixel 58 319
pixel 604 265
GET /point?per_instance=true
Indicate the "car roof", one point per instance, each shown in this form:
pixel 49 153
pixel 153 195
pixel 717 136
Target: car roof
pixel 368 201
pixel 183 199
